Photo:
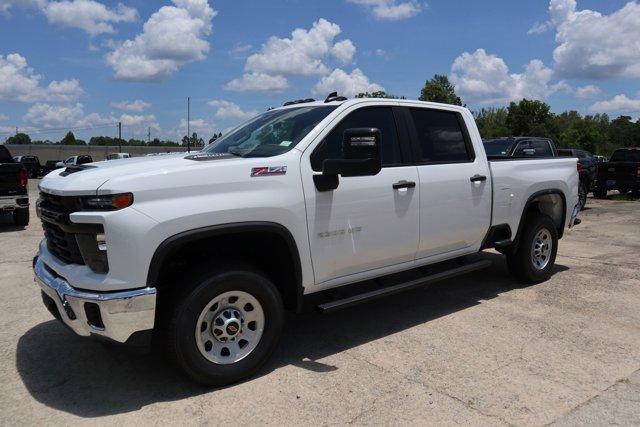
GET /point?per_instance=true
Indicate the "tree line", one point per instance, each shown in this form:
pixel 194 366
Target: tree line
pixel 70 139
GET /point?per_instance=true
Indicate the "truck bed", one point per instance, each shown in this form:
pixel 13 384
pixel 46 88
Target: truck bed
pixel 516 180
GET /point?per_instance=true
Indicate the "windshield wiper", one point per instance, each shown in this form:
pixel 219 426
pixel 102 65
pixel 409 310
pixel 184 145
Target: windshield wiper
pixel 235 151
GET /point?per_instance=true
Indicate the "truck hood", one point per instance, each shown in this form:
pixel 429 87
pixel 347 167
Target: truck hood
pixel 87 179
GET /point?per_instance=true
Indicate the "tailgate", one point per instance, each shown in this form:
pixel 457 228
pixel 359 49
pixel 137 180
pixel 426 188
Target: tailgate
pixel 10 179
pixel 620 171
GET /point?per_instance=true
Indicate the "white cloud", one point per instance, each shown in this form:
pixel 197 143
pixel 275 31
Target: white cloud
pixel 257 82
pixel 391 9
pixel 588 91
pixel 88 15
pixel 344 51
pixel 620 104
pixel 347 85
pixel 301 54
pixel 230 110
pixel 171 37
pixel 19 82
pixel 485 79
pixel 3 118
pixel 73 115
pixel 240 49
pixel 203 127
pixel 595 46
pixel 137 106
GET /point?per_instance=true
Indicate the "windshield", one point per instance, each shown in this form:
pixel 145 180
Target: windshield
pixel 497 147
pixel 625 156
pixel 271 133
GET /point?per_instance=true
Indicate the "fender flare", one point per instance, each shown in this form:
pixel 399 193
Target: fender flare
pixel 185 237
pixel 525 210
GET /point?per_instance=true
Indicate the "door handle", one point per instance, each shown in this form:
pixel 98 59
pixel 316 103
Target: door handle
pixel 478 178
pixel 403 184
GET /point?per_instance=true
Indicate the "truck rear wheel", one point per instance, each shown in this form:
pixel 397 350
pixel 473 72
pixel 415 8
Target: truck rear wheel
pixel 21 216
pixel 226 328
pixel 535 256
pixel 582 195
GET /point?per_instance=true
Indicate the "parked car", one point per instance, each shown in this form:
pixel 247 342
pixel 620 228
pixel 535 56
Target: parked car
pixel 116 156
pixel 14 179
pixel 50 165
pixel 75 160
pixel 207 250
pixel 520 147
pixel 31 164
pixel 587 170
pixel 621 173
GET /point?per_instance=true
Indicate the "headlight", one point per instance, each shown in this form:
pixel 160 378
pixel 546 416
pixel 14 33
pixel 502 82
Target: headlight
pixel 110 202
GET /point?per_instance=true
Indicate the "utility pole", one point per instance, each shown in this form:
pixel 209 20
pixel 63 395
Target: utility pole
pixel 149 135
pixel 16 130
pixel 188 124
pixel 119 137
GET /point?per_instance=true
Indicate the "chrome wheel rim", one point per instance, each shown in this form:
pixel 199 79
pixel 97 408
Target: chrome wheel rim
pixel 541 249
pixel 229 328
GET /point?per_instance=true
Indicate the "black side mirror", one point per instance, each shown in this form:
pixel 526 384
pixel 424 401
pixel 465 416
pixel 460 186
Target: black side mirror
pixel 361 157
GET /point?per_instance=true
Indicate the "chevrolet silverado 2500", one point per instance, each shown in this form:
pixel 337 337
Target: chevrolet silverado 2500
pixel 207 250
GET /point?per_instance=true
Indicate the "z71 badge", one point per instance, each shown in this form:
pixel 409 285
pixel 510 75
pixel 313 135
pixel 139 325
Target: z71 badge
pixel 268 171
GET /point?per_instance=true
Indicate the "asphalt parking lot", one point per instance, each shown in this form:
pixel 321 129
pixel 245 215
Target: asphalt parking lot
pixel 481 349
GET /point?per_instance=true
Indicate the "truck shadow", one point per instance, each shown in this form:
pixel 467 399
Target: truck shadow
pixel 90 379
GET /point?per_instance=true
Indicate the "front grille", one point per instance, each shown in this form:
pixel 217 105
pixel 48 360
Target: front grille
pixel 54 212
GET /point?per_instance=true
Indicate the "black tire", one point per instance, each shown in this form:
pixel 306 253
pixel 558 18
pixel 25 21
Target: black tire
pixel 21 217
pixel 582 195
pixel 181 337
pixel 599 193
pixel 520 262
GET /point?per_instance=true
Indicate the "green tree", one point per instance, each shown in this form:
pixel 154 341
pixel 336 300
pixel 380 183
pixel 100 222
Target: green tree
pixel 530 118
pixel 492 122
pixel 19 139
pixel 624 133
pixel 70 139
pixel 440 89
pixel 378 94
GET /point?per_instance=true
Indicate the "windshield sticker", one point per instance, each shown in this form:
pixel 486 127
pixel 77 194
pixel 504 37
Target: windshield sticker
pixel 286 143
pixel 269 171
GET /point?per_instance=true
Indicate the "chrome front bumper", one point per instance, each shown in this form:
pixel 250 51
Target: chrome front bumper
pixel 114 315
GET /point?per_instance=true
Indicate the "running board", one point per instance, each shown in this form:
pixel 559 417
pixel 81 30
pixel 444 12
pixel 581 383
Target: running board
pixel 394 289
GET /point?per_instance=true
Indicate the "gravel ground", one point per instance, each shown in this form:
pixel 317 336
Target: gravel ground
pixel 480 349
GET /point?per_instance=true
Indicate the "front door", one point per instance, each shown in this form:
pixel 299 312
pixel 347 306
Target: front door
pixel 365 224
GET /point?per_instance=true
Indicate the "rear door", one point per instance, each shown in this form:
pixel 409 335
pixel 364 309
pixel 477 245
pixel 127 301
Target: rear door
pixel 9 174
pixel 367 223
pixel 455 184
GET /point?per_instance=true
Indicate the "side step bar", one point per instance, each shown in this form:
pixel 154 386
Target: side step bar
pixel 394 289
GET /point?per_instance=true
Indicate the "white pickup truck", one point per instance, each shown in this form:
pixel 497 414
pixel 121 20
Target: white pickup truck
pixel 207 250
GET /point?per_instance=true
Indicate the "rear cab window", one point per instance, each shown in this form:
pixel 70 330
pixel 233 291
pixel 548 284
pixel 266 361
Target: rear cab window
pixel 441 136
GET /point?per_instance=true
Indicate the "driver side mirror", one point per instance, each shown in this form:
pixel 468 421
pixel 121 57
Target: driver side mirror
pixel 361 157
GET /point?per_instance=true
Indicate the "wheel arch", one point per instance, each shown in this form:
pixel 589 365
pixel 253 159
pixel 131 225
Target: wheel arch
pixel 551 202
pixel 243 232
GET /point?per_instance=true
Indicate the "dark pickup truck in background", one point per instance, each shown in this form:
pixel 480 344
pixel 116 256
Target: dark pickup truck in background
pixel 621 172
pixel 13 188
pixel 31 164
pixel 520 147
pixel 587 170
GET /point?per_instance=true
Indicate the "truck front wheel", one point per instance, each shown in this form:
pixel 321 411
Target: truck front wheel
pixel 535 256
pixel 226 328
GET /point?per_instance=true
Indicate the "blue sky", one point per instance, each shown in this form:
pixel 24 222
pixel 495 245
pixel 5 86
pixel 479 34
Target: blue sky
pixel 83 64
